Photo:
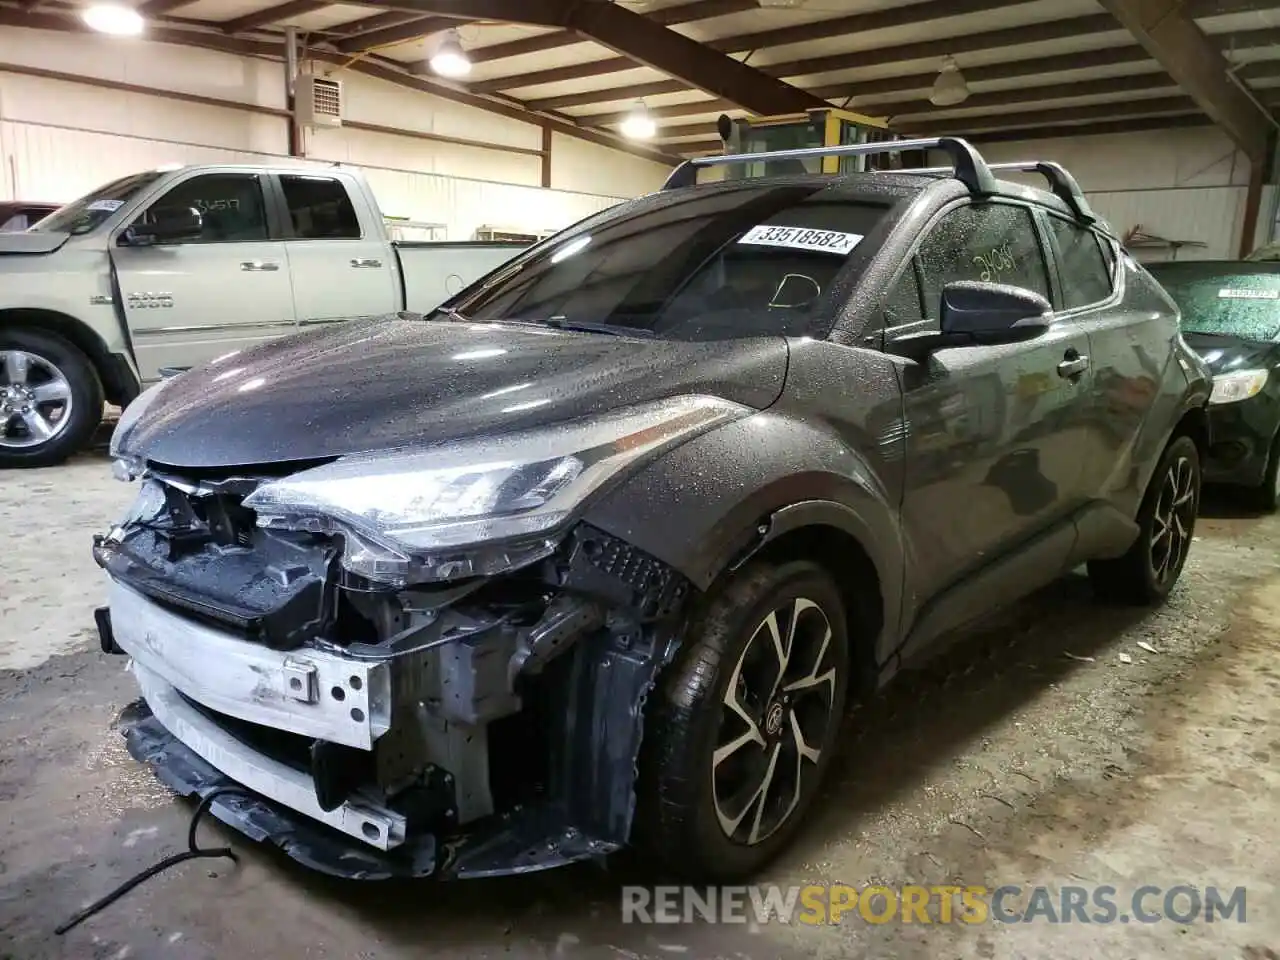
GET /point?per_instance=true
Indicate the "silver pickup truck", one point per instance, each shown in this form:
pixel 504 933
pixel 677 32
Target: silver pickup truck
pixel 170 268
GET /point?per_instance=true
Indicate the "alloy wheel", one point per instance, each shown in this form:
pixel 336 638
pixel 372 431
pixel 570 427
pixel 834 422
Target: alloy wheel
pixel 777 710
pixel 35 399
pixel 1174 520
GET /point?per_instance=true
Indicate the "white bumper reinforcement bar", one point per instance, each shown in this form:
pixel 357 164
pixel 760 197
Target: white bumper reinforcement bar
pixel 308 692
pixel 276 781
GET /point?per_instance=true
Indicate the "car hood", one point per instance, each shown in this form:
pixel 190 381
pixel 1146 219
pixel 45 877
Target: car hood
pixel 32 243
pixel 366 385
pixel 1223 354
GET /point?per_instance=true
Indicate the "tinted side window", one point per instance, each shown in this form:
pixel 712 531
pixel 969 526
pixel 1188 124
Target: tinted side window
pixel 320 208
pixel 989 242
pixel 1086 277
pixel 230 204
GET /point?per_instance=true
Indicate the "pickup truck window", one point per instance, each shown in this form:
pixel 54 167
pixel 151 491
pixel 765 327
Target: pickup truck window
pixel 231 205
pixel 724 264
pixel 83 215
pixel 319 208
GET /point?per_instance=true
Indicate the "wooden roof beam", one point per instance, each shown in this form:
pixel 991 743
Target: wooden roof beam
pixel 1169 33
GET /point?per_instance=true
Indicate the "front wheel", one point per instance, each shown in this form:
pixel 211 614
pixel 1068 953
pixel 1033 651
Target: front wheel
pixel 1166 521
pixel 50 399
pixel 745 722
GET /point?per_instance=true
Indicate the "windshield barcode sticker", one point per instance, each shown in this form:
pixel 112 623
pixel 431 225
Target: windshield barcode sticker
pixel 1229 294
pixel 105 206
pixel 802 238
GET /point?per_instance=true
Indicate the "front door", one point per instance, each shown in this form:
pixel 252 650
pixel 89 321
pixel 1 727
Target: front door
pixel 187 303
pixel 993 461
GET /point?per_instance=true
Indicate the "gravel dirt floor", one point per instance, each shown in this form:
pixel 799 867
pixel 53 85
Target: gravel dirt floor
pixel 1032 753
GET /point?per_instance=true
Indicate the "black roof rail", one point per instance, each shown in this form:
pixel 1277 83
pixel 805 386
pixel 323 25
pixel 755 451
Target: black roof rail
pixel 969 167
pixel 1063 184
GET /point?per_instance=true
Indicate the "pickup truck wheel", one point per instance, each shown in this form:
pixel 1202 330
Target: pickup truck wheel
pixel 1166 522
pixel 50 399
pixel 743 726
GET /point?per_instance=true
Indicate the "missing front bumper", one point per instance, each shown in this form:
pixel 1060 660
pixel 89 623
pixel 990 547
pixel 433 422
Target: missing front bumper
pixel 487 729
pixel 188 774
pixel 523 841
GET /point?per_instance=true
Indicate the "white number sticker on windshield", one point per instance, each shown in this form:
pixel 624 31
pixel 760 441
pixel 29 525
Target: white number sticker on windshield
pixel 1229 294
pixel 105 206
pixel 802 238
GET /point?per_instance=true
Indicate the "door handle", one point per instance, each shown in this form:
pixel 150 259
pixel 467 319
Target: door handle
pixel 254 266
pixel 1073 365
pixel 358 262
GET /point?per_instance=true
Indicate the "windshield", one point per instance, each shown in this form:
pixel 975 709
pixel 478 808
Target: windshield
pixel 83 215
pixel 1238 299
pixel 718 263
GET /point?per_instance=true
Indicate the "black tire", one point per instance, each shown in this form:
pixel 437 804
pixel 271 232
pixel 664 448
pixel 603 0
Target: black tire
pixel 1266 496
pixel 681 782
pixel 74 427
pixel 1146 574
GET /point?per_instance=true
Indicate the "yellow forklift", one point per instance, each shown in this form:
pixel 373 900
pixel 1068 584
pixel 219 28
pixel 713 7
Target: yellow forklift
pixel 821 127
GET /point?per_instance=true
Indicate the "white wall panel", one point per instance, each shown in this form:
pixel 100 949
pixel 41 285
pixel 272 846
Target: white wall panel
pixel 374 101
pixel 59 164
pixel 1180 184
pixel 579 165
pixel 163 66
pixel 366 148
pixel 79 106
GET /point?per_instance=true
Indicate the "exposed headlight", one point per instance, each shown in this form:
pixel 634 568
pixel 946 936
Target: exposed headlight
pixel 1237 385
pixel 123 467
pixel 417 515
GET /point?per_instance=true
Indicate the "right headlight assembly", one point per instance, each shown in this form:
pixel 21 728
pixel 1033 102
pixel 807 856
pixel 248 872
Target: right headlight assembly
pixel 1237 385
pixel 478 506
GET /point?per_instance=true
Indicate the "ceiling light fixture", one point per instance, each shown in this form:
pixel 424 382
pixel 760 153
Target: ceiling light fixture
pixel 113 18
pixel 950 88
pixel 449 59
pixel 638 124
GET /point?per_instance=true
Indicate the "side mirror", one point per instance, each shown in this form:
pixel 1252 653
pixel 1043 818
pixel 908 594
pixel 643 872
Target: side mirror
pixel 993 312
pixel 167 225
pixel 976 313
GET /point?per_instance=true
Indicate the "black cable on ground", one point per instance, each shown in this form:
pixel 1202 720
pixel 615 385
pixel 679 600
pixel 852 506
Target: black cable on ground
pixel 192 852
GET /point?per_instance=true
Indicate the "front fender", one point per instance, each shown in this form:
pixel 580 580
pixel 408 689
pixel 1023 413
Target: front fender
pixel 706 503
pixel 75 282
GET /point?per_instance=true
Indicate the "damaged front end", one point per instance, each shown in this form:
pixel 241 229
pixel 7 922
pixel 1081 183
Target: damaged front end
pixel 441 670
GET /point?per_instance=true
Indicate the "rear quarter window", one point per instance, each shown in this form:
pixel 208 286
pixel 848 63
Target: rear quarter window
pixel 1083 267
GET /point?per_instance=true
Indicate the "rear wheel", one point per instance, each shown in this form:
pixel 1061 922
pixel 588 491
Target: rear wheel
pixel 743 728
pixel 50 399
pixel 1166 522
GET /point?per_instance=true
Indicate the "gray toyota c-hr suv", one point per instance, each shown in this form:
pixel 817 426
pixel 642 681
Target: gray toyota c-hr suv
pixel 596 554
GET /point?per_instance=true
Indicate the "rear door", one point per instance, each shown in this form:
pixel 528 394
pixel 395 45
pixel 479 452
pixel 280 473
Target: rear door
pixel 992 460
pixel 341 266
pixel 1130 346
pixel 189 302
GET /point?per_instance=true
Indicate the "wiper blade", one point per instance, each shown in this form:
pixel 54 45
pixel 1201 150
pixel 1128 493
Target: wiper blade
pixel 586 326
